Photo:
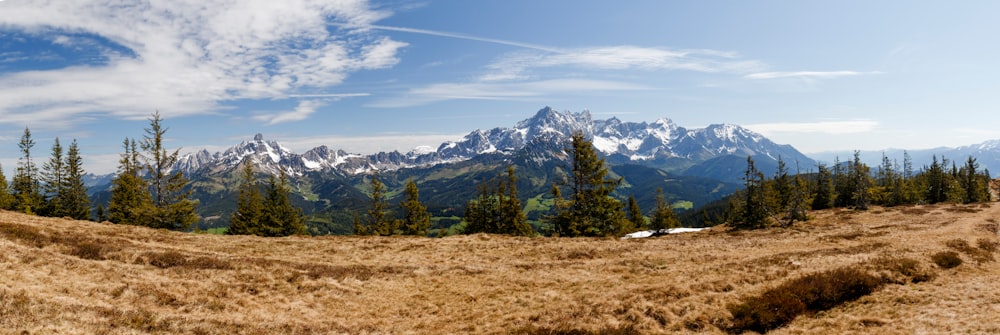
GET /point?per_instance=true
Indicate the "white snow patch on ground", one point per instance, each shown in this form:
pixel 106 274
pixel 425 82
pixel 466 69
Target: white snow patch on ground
pixel 650 233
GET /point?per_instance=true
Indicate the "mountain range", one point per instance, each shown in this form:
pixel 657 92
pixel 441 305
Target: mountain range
pixel 692 167
pixel 652 144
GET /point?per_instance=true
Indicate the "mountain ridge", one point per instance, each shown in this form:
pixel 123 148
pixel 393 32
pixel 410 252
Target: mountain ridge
pixel 640 142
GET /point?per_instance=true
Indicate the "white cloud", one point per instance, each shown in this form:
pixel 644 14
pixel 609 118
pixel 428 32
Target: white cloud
pixel 514 65
pixel 503 91
pixel 190 56
pixel 823 127
pixel 808 74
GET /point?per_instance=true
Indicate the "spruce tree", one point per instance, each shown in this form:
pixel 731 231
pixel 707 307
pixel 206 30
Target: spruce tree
pixel 171 207
pixel 249 206
pixel 280 217
pixel 6 201
pixel 26 187
pixel 481 213
pixel 635 214
pixel 590 210
pixel 859 181
pixel 416 219
pixel 497 209
pixel 130 198
pixel 754 212
pixel 796 210
pixel 782 188
pixel 379 219
pixel 75 201
pixel 512 213
pixel 53 183
pixel 823 192
pixel 663 214
pixel 936 181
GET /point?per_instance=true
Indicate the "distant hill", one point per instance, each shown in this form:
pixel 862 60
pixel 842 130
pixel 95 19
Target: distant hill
pixel 987 154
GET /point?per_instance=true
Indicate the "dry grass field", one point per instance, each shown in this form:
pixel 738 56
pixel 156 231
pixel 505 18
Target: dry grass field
pixel 63 276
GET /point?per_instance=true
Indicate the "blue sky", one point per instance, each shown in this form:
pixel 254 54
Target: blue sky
pixel 392 75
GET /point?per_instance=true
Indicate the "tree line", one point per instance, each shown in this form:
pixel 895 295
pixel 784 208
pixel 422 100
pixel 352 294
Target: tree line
pixel 588 210
pixel 54 190
pixel 784 198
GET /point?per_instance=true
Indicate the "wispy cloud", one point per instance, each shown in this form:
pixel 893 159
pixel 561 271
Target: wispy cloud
pixel 464 37
pixel 530 90
pixel 626 57
pixel 189 59
pixel 809 74
pixel 823 127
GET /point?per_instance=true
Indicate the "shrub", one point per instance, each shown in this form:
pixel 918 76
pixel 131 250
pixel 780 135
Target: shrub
pixel 166 259
pixel 88 250
pixel 946 259
pixel 808 294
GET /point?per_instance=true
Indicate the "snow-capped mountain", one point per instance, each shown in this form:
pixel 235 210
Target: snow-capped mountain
pixel 548 128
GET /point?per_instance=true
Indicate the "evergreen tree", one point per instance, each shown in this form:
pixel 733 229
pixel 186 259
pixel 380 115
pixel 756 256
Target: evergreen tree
pixel 53 183
pixel 782 188
pixel 75 202
pixel 497 209
pixel 590 211
pixel 129 193
pixel 171 207
pixel 663 214
pixel 416 219
pixel 6 201
pixel 101 216
pixel 842 188
pixel 379 222
pixel 823 192
pixel 512 216
pixel 249 207
pixel 936 181
pixel 279 216
pixel 796 210
pixel 972 181
pixel 860 182
pixel 26 187
pixel 754 212
pixel 480 213
pixel 635 214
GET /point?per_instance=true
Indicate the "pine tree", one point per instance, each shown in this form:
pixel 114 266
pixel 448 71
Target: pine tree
pixel 937 182
pixel 130 197
pixel 75 202
pixel 635 214
pixel 512 213
pixel 497 209
pixel 6 201
pixel 53 183
pixel 280 217
pixel 796 210
pixel 823 192
pixel 972 182
pixel 590 211
pixel 754 212
pixel 782 188
pixel 859 181
pixel 101 216
pixel 26 187
pixel 171 207
pixel 416 219
pixel 663 214
pixel 481 214
pixel 249 207
pixel 379 219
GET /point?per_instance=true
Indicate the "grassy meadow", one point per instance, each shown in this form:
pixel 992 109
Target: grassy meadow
pixel 921 269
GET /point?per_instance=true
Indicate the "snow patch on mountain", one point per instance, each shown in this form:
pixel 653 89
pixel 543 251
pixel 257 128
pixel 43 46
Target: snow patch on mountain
pixel 548 127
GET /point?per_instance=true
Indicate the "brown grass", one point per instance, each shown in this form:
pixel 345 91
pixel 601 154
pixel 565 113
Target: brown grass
pixel 63 276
